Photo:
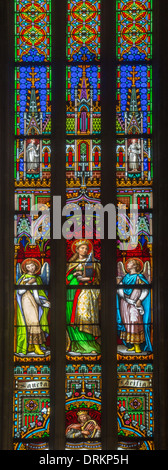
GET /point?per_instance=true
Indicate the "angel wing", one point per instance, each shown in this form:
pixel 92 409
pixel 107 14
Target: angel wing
pixel 120 270
pixel 45 273
pixel 147 271
pixel 18 272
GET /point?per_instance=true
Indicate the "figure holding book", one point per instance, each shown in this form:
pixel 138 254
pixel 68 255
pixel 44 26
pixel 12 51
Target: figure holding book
pixel 82 312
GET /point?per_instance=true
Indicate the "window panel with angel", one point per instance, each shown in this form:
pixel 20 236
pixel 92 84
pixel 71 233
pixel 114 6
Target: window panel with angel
pixel 32 309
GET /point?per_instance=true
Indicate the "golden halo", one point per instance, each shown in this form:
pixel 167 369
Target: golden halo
pixel 31 260
pixel 136 259
pixel 78 243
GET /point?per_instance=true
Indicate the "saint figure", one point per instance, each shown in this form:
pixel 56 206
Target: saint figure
pixel 32 311
pixel 134 308
pixel 32 156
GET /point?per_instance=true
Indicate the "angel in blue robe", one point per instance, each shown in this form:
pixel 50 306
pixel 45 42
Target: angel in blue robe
pixel 134 308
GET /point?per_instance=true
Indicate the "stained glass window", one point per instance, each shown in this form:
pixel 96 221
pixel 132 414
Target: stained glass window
pixel 134 178
pixel 32 254
pixel 32 239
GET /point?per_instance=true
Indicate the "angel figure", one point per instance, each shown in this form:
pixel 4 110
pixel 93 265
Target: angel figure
pixel 134 305
pixel 32 308
pixel 86 427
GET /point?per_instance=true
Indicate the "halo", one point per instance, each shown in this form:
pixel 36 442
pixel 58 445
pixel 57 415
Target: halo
pixel 78 243
pixel 31 260
pixel 136 259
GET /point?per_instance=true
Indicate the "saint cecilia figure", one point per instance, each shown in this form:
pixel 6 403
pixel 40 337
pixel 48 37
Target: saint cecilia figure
pixel 82 311
pixel 134 308
pixel 32 310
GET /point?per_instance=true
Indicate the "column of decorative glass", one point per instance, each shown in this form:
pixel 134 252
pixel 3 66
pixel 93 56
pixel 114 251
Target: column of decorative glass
pixel 32 260
pixel 83 187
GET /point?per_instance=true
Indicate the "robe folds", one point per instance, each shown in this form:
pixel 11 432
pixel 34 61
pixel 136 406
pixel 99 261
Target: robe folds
pixel 32 314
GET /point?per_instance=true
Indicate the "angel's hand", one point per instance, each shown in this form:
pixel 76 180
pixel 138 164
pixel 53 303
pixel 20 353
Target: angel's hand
pixel 31 281
pixel 77 273
pixel 138 303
